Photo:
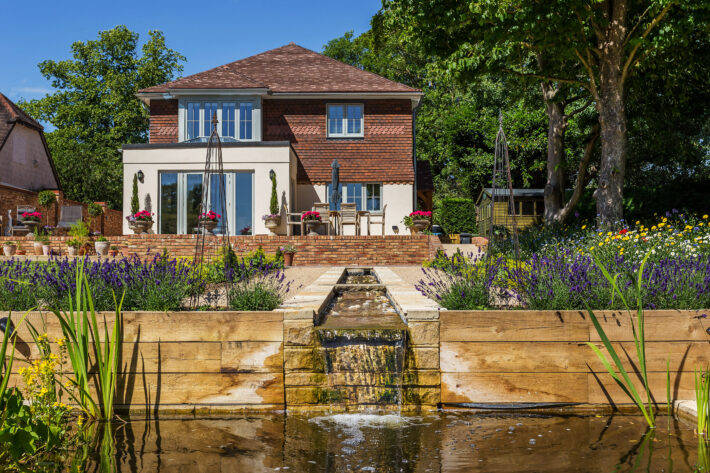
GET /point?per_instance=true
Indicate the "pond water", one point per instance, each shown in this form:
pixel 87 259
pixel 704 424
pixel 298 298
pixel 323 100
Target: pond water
pixel 450 441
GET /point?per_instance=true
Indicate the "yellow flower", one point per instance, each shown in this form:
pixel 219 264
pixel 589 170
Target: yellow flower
pixel 609 233
pixel 653 227
pixel 601 243
pixel 591 248
pixel 665 219
pixel 660 225
pixel 583 227
pixel 637 222
pixel 80 421
pixel 625 238
pixel 61 341
pixel 705 216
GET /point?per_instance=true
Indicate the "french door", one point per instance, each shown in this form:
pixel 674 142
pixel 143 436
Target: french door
pixel 181 196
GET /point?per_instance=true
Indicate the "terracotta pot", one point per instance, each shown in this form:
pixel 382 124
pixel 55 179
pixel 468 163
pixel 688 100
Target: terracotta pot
pixel 37 247
pixel 288 259
pixel 272 224
pixel 311 226
pixel 113 253
pixel 9 250
pixel 46 250
pixel 72 250
pixel 209 225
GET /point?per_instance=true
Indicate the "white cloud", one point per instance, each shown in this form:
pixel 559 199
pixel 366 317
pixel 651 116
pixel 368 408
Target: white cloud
pixel 28 92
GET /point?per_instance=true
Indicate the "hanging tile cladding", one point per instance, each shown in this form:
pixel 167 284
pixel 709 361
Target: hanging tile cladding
pixel 384 154
pixel 163 121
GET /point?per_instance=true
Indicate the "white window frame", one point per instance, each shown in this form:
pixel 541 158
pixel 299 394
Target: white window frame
pixel 345 133
pixel 363 195
pixel 236 101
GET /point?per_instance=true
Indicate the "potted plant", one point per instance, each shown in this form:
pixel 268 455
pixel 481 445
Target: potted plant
pixel 41 244
pixel 46 199
pixel 272 220
pixel 73 246
pixel 113 252
pixel 101 245
pixel 288 252
pixel 417 221
pixel 209 220
pixel 9 248
pixel 312 219
pixel 140 222
pixel 80 235
pixel 31 220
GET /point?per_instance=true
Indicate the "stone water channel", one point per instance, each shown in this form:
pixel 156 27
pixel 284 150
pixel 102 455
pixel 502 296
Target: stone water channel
pixel 358 353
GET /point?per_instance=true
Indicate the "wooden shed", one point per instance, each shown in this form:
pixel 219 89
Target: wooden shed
pixel 529 208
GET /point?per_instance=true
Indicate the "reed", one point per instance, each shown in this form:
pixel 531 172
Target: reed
pixel 702 396
pixel 621 377
pixel 81 330
pixel 6 365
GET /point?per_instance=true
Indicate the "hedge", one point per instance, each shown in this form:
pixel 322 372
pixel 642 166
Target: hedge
pixel 457 215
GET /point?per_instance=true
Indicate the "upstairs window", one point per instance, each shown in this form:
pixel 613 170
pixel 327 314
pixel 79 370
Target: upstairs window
pixel 345 120
pixel 234 120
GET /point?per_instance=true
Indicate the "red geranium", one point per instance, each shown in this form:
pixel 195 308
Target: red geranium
pixel 32 216
pixel 420 215
pixel 310 216
pixel 143 216
pixel 623 232
pixel 210 216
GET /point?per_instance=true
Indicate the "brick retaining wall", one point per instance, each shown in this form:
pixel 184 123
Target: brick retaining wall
pixel 312 250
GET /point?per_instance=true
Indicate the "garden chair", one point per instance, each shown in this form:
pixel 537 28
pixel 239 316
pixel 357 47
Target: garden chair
pixel 379 217
pixel 348 216
pixel 16 223
pixel 294 220
pixel 323 209
pixel 70 215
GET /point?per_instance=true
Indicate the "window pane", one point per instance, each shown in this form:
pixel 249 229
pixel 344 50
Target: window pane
pixel 335 119
pixel 228 110
pixel 528 207
pixel 168 202
pixel 218 198
pixel 354 195
pixel 373 197
pixel 210 111
pixel 193 120
pixel 245 120
pixel 354 119
pixel 243 203
pixel 193 199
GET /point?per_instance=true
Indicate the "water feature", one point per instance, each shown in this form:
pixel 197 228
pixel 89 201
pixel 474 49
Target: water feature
pixel 450 442
pixel 364 344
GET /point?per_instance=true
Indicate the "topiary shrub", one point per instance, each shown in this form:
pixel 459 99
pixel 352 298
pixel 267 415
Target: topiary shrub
pixel 94 209
pixel 274 203
pixel 135 204
pixel 457 215
pixel 46 199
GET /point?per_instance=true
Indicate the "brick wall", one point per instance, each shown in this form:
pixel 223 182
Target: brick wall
pixel 163 121
pixel 317 250
pixel 384 154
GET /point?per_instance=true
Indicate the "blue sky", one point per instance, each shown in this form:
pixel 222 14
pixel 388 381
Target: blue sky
pixel 207 33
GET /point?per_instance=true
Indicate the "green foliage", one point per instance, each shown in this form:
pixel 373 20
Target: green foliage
pixel 456 215
pixel 135 203
pixel 622 378
pixel 274 202
pixel 253 296
pixel 79 232
pixel 95 111
pixel 81 330
pixel 702 399
pixel 95 209
pixel 46 198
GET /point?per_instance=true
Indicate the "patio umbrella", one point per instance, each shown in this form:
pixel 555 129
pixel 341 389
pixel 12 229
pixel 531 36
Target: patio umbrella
pixel 334 194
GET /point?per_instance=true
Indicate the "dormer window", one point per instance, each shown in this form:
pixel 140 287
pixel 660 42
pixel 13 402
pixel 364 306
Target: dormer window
pixel 234 119
pixel 345 121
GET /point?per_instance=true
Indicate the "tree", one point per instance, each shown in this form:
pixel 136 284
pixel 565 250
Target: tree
pixel 594 46
pixel 95 111
pixel 135 203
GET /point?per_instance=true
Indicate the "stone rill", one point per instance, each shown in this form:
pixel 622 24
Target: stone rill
pixel 363 342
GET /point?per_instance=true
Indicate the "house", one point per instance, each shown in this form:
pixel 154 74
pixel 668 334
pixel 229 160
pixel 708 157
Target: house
pixel 25 162
pixel 290 110
pixel 529 208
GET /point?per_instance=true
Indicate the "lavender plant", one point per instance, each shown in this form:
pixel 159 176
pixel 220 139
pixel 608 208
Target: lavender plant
pixel 256 287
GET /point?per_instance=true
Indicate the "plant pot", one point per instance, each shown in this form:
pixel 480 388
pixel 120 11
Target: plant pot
pixel 72 250
pixel 288 259
pixel 101 247
pixel 419 225
pixel 209 225
pixel 37 247
pixel 272 224
pixel 9 250
pixel 46 250
pixel 140 226
pixel 113 253
pixel 311 226
pixel 84 249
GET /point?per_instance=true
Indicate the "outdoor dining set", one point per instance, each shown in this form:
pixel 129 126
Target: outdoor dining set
pixel 335 221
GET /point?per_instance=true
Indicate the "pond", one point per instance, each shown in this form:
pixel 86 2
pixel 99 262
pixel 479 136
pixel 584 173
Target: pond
pixel 448 441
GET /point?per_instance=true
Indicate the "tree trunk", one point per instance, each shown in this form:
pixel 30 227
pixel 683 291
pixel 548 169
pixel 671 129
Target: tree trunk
pixel 555 185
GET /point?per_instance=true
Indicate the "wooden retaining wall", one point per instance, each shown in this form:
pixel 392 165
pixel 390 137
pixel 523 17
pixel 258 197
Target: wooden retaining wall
pixel 188 360
pixel 492 357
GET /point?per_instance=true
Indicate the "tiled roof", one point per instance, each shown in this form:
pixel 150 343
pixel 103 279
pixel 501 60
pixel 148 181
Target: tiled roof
pixel 9 115
pixel 288 69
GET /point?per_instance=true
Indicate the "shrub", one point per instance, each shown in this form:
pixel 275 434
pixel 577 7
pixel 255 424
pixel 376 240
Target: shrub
pixel 46 198
pixel 262 291
pixel 457 215
pixel 135 204
pixel 94 209
pixel 274 202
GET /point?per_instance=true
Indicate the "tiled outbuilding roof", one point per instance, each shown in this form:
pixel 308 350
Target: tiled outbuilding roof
pixel 288 69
